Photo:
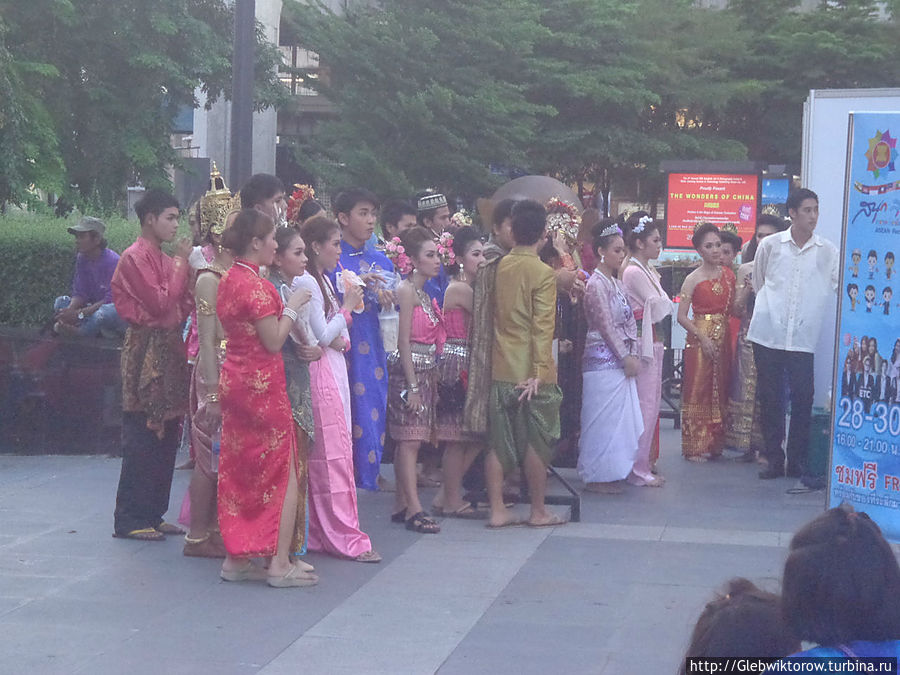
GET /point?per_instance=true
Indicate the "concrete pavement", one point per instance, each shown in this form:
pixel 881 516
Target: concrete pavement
pixel 616 594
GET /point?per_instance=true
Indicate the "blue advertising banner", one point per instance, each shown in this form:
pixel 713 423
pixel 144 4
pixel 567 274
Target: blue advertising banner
pixel 865 455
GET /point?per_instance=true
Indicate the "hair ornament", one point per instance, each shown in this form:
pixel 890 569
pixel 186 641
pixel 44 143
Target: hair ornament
pixel 729 227
pixel 461 219
pixel 396 252
pixel 610 230
pixel 700 223
pixel 215 204
pixel 642 224
pixel 300 194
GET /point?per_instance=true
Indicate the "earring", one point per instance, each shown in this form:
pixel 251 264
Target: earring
pixel 462 275
pixel 602 259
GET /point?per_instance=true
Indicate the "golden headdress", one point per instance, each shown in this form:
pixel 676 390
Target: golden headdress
pixel 216 204
pixel 729 227
pixel 563 217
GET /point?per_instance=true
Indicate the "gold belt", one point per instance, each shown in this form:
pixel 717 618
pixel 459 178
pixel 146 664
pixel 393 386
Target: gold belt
pixel 423 356
pixel 709 317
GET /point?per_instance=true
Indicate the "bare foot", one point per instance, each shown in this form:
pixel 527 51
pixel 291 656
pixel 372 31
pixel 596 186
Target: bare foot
pixel 504 518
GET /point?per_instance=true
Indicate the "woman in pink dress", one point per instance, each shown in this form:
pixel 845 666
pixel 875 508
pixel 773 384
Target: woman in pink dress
pixel 651 305
pixel 333 514
pixel 461 447
pixel 412 385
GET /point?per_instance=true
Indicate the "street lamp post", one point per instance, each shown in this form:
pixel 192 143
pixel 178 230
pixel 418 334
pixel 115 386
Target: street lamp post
pixel 241 164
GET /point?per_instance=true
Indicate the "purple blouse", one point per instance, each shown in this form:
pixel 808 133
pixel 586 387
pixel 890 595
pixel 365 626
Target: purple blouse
pixel 612 331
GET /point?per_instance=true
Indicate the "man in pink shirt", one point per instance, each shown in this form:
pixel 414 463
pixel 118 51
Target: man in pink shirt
pixel 152 292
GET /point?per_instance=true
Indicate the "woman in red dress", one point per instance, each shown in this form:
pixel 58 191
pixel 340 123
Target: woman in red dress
pixel 709 291
pixel 258 472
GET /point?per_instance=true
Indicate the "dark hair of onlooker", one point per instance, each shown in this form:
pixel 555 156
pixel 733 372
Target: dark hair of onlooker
pixel 529 220
pixel 318 230
pixel 701 232
pixel 247 226
pixel 502 211
pixel 599 240
pixel 632 237
pixel 347 200
pixel 414 239
pixel 392 213
pixel 769 219
pixel 798 196
pixel 308 209
pixel 743 622
pixel 841 581
pixel 733 239
pixel 258 188
pixel 154 202
pixel 463 239
pixel 284 236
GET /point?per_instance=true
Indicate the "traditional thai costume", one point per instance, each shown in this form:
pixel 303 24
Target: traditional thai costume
pixel 524 321
pixel 611 419
pixel 742 419
pixel 651 305
pixel 368 370
pixel 426 341
pixel 704 391
pixel 259 447
pixel 151 292
pixel 333 512
pixel 453 379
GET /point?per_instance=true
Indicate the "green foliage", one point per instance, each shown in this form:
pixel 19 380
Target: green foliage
pixel 39 261
pixel 88 89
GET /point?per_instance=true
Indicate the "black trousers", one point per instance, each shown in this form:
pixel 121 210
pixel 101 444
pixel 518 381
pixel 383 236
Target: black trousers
pixel 774 369
pixel 146 478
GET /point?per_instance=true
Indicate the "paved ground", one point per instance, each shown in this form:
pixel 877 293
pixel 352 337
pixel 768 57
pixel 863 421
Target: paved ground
pixel 616 594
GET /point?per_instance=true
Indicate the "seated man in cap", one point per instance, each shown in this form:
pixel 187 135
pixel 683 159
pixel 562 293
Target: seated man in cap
pixel 90 311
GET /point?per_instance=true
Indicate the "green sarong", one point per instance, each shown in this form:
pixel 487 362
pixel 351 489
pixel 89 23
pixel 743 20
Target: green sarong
pixel 515 426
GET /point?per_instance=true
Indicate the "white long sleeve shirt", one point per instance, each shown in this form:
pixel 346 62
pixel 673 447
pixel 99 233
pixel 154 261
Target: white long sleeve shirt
pixel 793 285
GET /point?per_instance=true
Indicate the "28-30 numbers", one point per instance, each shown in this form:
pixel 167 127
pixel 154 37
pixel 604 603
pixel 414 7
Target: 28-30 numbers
pixel 884 418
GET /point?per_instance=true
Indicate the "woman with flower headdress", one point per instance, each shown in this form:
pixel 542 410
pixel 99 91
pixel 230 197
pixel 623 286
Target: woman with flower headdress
pixel 651 306
pixel 709 291
pixel 302 205
pixel 611 421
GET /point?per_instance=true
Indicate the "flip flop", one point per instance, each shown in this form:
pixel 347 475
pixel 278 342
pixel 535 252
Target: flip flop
pixel 250 572
pixel 169 528
pixel 142 534
pixel 553 522
pixel 294 578
pixel 465 512
pixel 508 523
pixel 368 557
pixel 303 565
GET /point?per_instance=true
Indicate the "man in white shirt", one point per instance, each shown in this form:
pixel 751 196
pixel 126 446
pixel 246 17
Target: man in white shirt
pixel 795 274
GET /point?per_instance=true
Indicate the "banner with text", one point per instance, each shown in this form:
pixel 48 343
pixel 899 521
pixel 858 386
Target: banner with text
pixel 710 198
pixel 865 454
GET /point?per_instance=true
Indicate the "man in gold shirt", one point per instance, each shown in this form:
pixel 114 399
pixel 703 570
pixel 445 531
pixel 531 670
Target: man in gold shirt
pixel 524 400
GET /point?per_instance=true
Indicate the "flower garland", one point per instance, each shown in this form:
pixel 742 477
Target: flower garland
pixel 445 249
pixel 461 219
pixel 396 252
pixel 563 217
pixel 300 194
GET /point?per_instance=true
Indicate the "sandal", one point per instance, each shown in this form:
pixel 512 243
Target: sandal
pixel 421 523
pixel 399 517
pixel 369 557
pixel 169 528
pixel 553 522
pixel 466 512
pixel 143 534
pixel 294 578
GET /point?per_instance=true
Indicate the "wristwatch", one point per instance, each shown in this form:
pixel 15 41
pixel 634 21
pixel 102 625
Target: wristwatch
pixel 81 315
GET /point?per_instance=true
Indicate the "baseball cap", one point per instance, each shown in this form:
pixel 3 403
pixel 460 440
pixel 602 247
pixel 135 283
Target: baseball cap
pixel 89 224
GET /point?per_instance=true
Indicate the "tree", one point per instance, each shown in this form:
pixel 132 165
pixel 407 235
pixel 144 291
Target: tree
pixel 428 92
pixel 114 75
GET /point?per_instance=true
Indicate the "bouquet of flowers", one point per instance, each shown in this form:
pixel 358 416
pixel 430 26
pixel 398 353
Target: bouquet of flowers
pixel 461 219
pixel 395 251
pixel 563 217
pixel 445 249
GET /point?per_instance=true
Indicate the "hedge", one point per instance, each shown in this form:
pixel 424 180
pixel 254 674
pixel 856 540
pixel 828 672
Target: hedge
pixel 39 261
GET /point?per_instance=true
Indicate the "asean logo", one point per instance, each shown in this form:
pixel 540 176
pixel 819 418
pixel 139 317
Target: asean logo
pixel 882 153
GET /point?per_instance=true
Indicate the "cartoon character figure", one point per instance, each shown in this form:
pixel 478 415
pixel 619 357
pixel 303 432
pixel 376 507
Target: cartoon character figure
pixel 853 294
pixel 872 259
pixel 886 296
pixel 889 264
pixel 870 298
pixel 856 256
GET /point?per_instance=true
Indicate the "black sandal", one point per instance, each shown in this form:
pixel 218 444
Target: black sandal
pixel 422 524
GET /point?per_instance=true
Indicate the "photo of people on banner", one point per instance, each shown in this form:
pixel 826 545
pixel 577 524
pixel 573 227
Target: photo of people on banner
pixel 865 461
